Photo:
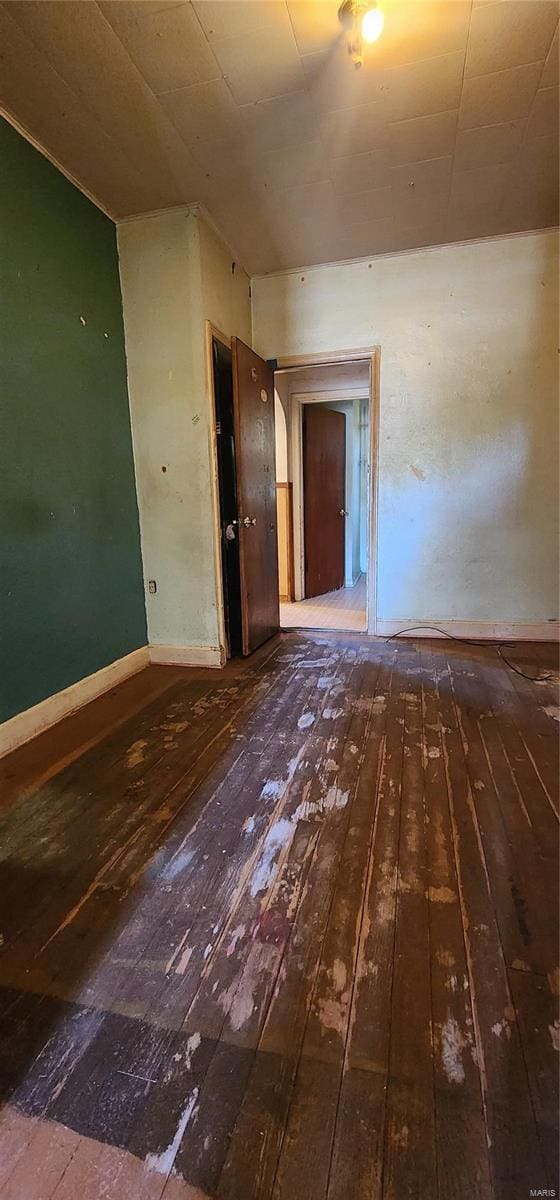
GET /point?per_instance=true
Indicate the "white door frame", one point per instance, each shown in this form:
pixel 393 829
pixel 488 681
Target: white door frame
pixel 366 354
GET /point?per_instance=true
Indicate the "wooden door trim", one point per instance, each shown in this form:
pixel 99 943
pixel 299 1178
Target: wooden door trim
pixel 289 539
pixel 326 358
pixel 372 354
pixel 242 572
pixel 211 333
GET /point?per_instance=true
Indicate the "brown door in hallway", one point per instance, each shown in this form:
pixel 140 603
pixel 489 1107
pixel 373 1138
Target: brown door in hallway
pixel 253 394
pixel 324 453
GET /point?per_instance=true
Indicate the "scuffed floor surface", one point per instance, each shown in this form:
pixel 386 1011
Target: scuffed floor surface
pixel 344 609
pixel 289 933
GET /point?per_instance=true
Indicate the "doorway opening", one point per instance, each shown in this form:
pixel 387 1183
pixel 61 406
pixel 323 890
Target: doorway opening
pixel 241 394
pixel 326 493
pixel 227 488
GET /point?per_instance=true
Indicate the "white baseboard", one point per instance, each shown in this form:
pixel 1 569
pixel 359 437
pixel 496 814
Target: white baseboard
pixel 186 656
pixel 514 631
pixel 33 721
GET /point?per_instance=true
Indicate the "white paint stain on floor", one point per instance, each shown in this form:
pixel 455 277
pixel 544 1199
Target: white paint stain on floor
pixel 306 720
pixel 162 1163
pixel 279 834
pixel 236 935
pixel 452 1046
pixel 334 798
pixel 501 1027
pixel 272 789
pixel 238 1000
pixel 177 864
pixel 325 681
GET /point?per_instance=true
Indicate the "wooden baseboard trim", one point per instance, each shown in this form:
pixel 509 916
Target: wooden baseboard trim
pixel 515 631
pixel 35 720
pixel 187 656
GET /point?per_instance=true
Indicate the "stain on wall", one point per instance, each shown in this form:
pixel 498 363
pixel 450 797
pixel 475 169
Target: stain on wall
pixel 468 436
pixel 72 590
pixel 175 276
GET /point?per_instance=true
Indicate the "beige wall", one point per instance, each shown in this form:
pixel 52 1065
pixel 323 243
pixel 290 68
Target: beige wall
pixel 225 287
pixel 468 447
pixel 176 274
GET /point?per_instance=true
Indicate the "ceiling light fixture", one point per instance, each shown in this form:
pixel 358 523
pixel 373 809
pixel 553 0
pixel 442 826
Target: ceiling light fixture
pixel 364 22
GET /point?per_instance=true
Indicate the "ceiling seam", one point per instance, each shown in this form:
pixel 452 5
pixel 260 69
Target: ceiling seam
pixel 538 88
pixel 153 94
pixel 447 217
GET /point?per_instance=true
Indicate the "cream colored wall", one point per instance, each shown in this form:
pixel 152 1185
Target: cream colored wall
pixel 175 275
pixel 468 464
pixel 225 287
pixel 280 439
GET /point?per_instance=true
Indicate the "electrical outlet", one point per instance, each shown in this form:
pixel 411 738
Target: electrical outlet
pixel 152 587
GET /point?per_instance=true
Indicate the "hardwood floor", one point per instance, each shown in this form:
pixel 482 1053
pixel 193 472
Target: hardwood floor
pixel 343 610
pixel 287 931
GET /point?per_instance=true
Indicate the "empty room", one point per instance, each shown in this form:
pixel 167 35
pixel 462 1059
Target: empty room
pixel 279 680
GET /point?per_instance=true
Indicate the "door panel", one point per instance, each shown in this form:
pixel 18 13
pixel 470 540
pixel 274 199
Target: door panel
pixel 324 474
pixel 227 476
pixel 253 392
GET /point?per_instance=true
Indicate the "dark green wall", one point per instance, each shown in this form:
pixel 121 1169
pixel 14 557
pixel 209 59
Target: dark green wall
pixel 71 571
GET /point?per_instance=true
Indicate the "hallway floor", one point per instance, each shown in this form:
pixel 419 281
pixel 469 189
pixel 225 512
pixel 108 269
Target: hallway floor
pixel 286 932
pixel 343 610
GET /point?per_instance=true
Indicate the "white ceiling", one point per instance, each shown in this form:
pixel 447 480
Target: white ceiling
pixel 448 132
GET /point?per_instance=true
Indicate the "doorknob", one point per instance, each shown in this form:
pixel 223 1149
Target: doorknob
pixel 343 512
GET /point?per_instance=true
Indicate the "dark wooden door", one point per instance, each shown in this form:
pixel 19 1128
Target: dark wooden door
pixel 253 394
pixel 324 474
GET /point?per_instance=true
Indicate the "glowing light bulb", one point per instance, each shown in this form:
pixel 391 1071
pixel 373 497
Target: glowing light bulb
pixel 372 25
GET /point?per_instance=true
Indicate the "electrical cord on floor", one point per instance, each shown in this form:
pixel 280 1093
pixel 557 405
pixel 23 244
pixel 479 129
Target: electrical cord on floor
pixel 548 678
pixel 498 646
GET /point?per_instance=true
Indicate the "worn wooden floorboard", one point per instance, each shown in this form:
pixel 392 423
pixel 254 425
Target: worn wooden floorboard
pixel 515 1155
pixel 287 931
pixel 46 756
pixel 111 843
pixel 260 1130
pixel 461 1147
